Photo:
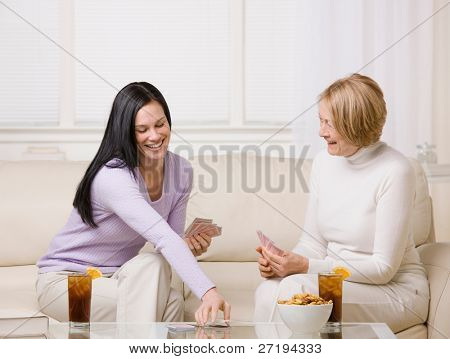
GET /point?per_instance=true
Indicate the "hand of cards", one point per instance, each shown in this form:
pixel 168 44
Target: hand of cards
pixel 269 244
pixel 203 225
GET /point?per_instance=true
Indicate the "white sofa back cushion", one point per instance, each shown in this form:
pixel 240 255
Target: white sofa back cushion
pixel 250 193
pixel 278 213
pixel 36 199
pixel 422 220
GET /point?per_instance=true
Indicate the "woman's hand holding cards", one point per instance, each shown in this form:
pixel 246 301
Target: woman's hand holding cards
pixel 198 243
pixel 199 234
pixel 264 266
pixel 287 264
pixel 274 262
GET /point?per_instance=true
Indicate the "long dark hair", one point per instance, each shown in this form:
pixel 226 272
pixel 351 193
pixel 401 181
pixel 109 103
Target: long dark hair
pixel 119 140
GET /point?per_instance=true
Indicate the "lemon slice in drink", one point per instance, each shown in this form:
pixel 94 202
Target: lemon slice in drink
pixel 344 272
pixel 93 272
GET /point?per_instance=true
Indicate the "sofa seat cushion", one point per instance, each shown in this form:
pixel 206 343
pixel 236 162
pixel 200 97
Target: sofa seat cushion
pixel 244 193
pixel 418 331
pixel 18 291
pixel 236 281
pixel 436 257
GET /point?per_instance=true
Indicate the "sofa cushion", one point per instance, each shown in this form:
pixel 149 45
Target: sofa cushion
pixel 237 282
pixel 18 293
pixel 36 201
pixel 266 203
pixel 436 258
pixel 418 331
pixel 243 193
pixel 422 214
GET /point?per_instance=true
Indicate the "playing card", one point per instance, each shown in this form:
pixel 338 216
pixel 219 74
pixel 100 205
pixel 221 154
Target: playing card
pixel 269 244
pixel 195 222
pixel 214 232
pixel 203 225
pixel 272 248
pixel 219 324
pixel 203 220
pixel 180 327
pixel 262 238
pixel 211 230
pixel 202 228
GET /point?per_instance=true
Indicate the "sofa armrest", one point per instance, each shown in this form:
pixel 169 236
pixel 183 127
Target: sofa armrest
pixel 436 258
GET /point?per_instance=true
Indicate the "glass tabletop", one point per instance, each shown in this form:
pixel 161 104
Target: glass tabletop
pixel 237 330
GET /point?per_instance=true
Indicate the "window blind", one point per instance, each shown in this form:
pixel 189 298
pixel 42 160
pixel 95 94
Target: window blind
pixel 272 58
pixel 182 47
pixel 30 63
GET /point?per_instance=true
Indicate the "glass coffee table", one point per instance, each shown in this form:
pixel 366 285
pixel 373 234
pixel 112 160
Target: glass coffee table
pixel 237 330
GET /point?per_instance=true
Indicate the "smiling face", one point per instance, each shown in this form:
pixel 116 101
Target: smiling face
pixel 337 146
pixel 152 132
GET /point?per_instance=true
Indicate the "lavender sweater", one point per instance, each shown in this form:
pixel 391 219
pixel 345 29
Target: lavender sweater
pixel 127 219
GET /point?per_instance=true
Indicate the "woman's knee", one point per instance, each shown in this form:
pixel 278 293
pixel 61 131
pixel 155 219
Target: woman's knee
pixel 53 298
pixel 151 262
pixel 267 291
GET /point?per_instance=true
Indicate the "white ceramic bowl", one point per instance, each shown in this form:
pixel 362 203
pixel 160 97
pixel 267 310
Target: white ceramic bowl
pixel 304 318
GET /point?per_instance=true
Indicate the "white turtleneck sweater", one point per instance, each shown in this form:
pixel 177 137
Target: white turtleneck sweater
pixel 359 215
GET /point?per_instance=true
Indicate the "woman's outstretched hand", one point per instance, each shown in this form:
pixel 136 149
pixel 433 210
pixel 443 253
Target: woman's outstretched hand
pixel 212 302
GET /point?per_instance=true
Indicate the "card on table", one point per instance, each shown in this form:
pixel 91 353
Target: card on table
pixel 218 324
pixel 180 327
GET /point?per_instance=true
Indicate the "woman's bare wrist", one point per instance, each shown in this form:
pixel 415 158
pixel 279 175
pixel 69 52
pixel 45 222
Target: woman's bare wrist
pixel 209 291
pixel 305 265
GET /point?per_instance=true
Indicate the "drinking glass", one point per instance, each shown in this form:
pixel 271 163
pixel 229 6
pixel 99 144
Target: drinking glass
pixel 330 288
pixel 80 291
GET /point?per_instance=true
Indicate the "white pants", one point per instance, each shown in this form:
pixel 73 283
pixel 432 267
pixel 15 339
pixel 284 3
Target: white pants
pixel 400 304
pixel 138 292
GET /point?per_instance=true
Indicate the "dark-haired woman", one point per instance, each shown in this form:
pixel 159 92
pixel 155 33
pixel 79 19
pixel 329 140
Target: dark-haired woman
pixel 134 191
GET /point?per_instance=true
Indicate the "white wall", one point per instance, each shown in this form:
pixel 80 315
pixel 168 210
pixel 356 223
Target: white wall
pixel 441 121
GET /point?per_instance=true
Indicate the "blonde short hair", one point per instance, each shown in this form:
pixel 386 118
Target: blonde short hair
pixel 357 107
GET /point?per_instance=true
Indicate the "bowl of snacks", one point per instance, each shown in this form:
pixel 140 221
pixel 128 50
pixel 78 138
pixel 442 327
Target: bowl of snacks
pixel 305 313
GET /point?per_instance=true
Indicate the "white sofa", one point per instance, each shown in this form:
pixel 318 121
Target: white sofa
pixel 36 199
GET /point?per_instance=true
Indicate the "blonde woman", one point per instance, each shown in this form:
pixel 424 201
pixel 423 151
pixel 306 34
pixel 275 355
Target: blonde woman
pixel 359 215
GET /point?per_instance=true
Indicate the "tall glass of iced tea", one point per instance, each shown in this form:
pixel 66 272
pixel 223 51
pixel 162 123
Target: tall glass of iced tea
pixel 330 288
pixel 80 290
